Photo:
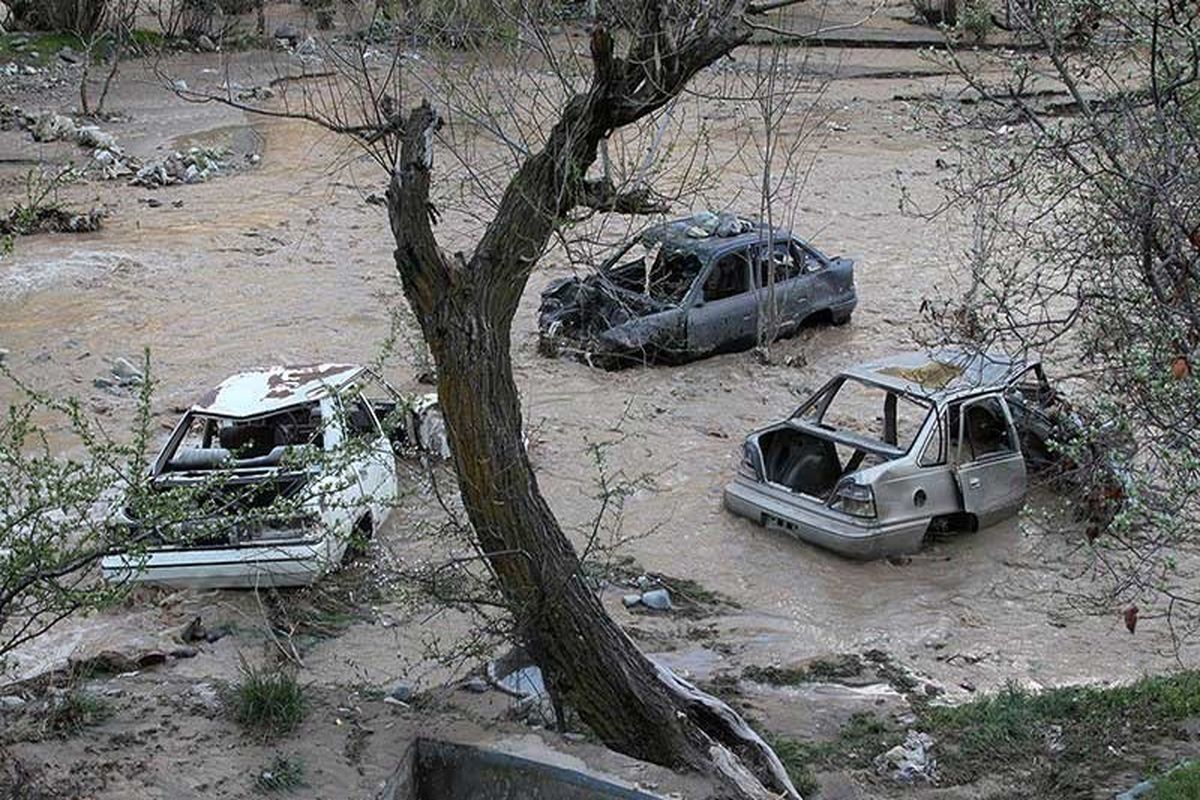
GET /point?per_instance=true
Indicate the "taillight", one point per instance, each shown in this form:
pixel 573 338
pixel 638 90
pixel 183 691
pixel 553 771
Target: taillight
pixel 854 499
pixel 749 466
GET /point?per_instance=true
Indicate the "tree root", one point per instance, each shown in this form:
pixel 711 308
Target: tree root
pixel 738 757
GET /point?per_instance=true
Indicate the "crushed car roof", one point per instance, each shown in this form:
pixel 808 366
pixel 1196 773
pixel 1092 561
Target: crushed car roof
pixel 941 374
pixel 268 390
pixel 675 234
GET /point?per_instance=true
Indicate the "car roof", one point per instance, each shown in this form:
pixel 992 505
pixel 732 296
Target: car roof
pixel 675 234
pixel 264 391
pixel 942 374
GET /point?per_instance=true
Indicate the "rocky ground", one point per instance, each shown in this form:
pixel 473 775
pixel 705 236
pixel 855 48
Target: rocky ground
pixel 281 254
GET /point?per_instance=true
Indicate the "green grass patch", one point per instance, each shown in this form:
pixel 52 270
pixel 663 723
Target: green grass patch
pixel 1062 743
pixel 282 774
pixel 268 701
pixel 1182 783
pixel 23 46
pixel 1062 737
pixel 830 668
pixel 798 758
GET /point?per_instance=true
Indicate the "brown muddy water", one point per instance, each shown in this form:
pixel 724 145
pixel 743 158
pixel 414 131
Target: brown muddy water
pixel 286 262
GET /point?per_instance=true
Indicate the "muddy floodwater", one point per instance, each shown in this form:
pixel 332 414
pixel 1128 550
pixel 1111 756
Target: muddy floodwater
pixel 286 261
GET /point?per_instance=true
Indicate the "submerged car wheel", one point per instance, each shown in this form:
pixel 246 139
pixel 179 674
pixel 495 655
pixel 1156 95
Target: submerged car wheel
pixel 360 539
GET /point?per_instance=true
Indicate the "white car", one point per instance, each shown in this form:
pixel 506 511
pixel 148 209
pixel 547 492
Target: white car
pixel 270 478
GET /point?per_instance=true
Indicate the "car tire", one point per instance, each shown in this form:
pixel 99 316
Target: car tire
pixel 359 543
pixel 839 318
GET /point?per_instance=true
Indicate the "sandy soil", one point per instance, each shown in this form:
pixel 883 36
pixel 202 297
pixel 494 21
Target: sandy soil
pixel 287 262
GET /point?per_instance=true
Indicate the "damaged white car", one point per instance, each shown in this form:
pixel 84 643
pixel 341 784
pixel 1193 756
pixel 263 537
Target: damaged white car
pixel 271 478
pixel 889 451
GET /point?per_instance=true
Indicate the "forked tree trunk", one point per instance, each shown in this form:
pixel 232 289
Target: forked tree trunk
pixel 465 308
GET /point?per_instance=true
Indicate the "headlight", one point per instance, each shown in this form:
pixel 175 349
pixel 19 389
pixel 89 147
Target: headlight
pixel 283 528
pixel 749 466
pixel 854 499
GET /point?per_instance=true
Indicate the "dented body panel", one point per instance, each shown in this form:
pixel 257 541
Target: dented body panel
pixel 693 295
pixel 955 437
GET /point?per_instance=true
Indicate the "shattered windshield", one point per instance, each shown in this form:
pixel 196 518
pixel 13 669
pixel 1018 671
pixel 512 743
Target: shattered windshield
pixel 872 412
pixel 212 443
pixel 671 273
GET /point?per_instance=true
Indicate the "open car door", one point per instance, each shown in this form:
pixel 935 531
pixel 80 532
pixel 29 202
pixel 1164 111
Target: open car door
pixel 990 468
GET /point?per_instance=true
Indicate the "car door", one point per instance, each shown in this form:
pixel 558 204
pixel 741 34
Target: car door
pixel 990 469
pixel 788 297
pixel 371 455
pixel 724 314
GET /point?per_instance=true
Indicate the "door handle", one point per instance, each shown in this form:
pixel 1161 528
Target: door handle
pixel 973 483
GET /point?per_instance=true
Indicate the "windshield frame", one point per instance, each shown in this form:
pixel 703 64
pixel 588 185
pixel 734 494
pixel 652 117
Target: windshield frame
pixel 828 393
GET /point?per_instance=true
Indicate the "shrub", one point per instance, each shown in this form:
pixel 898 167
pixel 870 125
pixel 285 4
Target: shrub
pixel 268 701
pixel 83 17
pixel 937 12
pixel 976 19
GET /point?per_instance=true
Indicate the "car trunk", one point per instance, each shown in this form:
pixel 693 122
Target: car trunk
pixel 799 461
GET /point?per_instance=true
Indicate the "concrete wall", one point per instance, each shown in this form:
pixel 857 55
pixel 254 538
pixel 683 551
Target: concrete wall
pixel 437 770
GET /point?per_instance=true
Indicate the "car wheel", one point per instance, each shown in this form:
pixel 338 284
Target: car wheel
pixel 839 317
pixel 360 539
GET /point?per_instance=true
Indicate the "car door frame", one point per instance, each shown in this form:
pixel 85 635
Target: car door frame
pixel 791 294
pixel 702 326
pixel 992 486
pixel 380 462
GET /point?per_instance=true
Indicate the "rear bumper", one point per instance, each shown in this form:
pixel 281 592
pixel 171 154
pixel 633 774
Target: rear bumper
pixel 829 530
pixel 295 564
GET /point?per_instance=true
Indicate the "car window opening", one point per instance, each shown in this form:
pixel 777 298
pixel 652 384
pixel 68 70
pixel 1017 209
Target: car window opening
pixel 671 274
pixel 211 442
pixel 728 278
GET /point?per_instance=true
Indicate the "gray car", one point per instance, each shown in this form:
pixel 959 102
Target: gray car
pixel 685 290
pixel 889 451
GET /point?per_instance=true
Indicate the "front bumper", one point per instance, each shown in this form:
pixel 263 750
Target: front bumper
pixel 861 540
pixel 248 566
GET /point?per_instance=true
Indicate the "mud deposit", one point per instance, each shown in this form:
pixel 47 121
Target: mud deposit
pixel 287 262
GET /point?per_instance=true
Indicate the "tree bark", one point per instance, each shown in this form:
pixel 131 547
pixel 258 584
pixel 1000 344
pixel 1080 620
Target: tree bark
pixel 465 309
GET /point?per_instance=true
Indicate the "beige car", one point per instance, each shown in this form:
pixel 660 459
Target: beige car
pixel 888 451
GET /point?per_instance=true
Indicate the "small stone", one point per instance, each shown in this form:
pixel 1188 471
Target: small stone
pixel 477 685
pixel 307 48
pixel 967 685
pixel 206 44
pixel 70 56
pixel 391 701
pixel 103 383
pixel 217 633
pixel 11 702
pixel 3 355
pixel 180 85
pixel 658 599
pixel 153 202
pixel 402 692
pixel 631 600
pixel 932 690
pixel 126 373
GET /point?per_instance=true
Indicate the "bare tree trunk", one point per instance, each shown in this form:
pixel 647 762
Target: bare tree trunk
pixel 465 310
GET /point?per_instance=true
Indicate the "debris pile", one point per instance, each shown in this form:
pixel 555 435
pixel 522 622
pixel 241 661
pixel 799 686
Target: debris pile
pixel 651 596
pixel 195 165
pixel 706 223
pixel 124 375
pixel 25 220
pixel 910 762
